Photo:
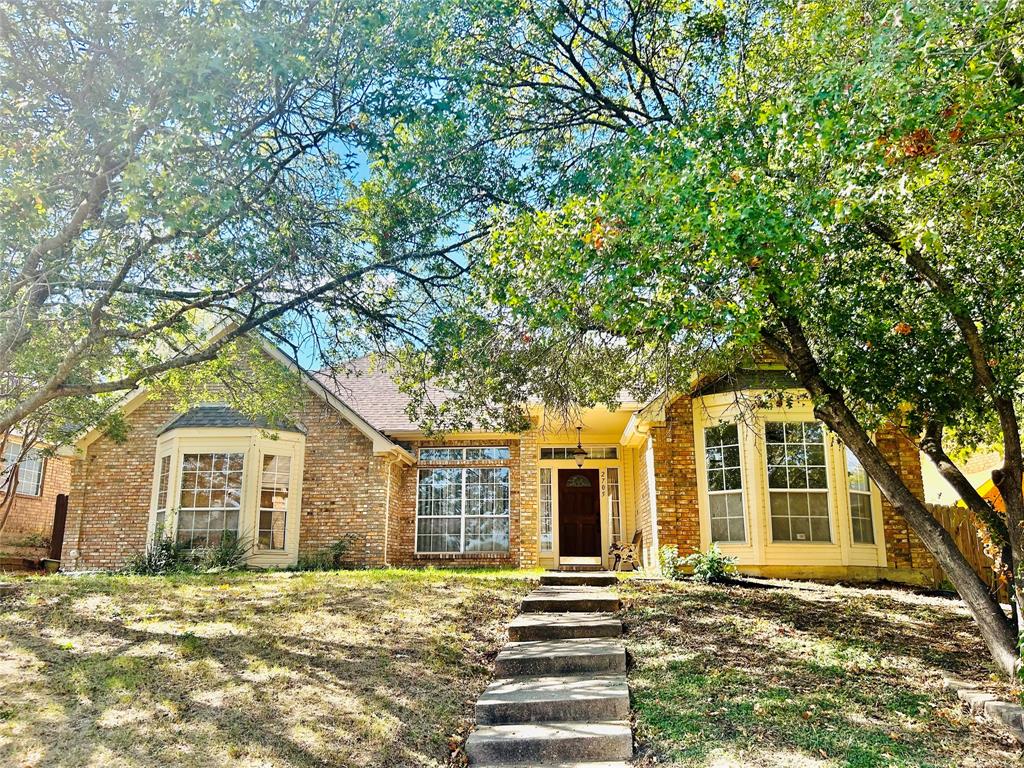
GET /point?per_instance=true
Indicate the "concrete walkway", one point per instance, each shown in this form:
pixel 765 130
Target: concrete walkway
pixel 560 696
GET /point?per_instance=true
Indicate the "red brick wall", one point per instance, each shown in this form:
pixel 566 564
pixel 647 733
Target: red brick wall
pixel 675 472
pixel 902 547
pixel 343 487
pixel 111 484
pixel 402 529
pixel 33 515
pixel 111 488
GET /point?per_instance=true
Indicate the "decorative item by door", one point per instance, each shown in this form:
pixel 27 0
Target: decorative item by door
pixel 579 513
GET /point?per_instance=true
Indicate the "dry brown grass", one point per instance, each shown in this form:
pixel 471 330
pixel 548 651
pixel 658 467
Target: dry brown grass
pixel 381 668
pixel 374 668
pixel 804 676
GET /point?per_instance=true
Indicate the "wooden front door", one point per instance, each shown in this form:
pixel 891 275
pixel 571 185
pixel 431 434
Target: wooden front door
pixel 579 513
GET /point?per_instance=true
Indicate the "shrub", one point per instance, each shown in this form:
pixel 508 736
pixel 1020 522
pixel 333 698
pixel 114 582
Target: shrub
pixel 711 566
pixel 671 562
pixel 162 555
pixel 229 554
pixel 328 559
pixel 33 540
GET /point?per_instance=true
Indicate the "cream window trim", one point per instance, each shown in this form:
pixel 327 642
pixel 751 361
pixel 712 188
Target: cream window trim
pixel 253 444
pixel 482 521
pixel 829 491
pixel 760 548
pixel 712 411
pixel 546 510
pixel 31 468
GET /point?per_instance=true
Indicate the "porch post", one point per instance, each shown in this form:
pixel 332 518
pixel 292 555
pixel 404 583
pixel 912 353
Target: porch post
pixel 529 501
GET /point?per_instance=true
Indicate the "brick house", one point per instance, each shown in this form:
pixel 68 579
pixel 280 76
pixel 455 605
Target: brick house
pixel 40 480
pixel 767 484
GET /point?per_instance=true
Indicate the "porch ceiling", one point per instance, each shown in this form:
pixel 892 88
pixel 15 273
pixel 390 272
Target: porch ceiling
pixel 600 426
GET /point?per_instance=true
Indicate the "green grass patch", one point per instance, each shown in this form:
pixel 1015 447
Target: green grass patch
pixel 808 676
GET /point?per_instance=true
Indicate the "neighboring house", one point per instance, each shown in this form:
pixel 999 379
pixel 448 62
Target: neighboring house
pixel 977 468
pixel 40 480
pixel 774 489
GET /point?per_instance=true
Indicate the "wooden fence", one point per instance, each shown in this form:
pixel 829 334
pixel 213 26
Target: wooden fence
pixel 962 527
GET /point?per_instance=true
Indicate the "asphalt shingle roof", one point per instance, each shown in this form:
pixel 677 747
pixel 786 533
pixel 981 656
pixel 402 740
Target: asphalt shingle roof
pixel 218 415
pixel 371 392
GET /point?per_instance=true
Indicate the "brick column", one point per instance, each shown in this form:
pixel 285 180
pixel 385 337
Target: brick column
pixel 903 548
pixel 529 501
pixel 675 468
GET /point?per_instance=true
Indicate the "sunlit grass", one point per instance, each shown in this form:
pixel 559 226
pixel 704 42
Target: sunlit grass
pixel 360 668
pixel 801 675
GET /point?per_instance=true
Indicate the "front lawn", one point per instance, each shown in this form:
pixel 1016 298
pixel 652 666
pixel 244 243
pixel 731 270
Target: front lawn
pixel 792 674
pixel 370 668
pixel 381 668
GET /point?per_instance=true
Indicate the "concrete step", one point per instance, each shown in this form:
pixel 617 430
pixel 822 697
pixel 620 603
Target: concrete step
pixel 542 743
pixel 562 626
pixel 579 578
pixel 561 657
pixel 554 699
pixel 570 599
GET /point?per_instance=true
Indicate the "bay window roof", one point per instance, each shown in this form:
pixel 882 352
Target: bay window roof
pixel 220 415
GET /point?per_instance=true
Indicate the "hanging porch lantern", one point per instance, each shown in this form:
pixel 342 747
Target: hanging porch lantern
pixel 579 454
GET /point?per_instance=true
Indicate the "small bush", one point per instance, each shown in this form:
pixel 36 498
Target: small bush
pixel 229 554
pixel 33 540
pixel 671 562
pixel 328 559
pixel 161 556
pixel 711 566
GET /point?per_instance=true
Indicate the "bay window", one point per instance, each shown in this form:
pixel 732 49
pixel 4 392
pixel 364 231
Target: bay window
pixel 797 481
pixel 210 483
pixel 275 480
pixel 462 509
pixel 859 486
pixel 210 498
pixel 163 493
pixel 725 483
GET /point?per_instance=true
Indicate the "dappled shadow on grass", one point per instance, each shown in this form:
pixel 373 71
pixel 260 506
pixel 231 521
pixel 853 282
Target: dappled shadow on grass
pixel 335 669
pixel 824 676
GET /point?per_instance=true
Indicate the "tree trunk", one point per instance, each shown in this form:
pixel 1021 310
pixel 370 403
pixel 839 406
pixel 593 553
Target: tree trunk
pixel 1008 480
pixel 931 445
pixel 996 628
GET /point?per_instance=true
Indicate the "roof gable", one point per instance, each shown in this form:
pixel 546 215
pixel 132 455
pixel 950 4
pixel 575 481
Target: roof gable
pixel 381 443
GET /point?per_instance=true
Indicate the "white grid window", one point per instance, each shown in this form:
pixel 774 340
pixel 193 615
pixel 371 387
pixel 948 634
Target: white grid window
pixel 547 512
pixel 725 483
pixel 565 452
pixel 463 509
pixel 797 481
pixel 439 511
pixel 210 500
pixel 487 453
pixel 275 483
pixel 615 505
pixel 162 492
pixel 29 469
pixel 479 453
pixel 860 500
